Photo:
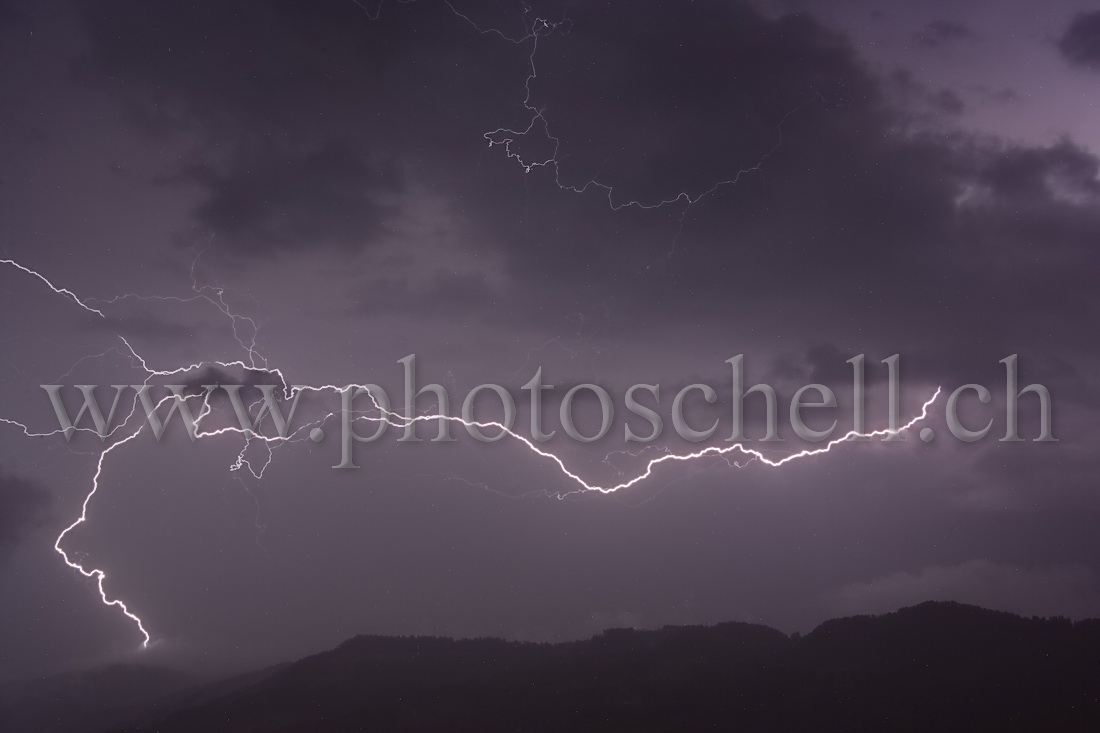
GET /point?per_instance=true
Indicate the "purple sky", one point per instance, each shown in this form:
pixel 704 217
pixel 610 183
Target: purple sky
pixel 916 178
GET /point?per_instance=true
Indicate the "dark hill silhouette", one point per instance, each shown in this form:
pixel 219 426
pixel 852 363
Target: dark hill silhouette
pixel 932 667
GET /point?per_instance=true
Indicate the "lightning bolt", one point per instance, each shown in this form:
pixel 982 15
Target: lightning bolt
pixel 536 30
pixel 390 417
pixel 96 573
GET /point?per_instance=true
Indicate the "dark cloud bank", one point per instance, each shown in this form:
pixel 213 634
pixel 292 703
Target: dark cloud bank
pixel 308 123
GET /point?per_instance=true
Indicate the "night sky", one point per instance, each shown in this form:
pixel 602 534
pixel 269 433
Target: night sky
pixel 684 182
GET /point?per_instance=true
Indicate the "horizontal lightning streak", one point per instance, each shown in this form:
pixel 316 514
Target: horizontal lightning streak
pixel 391 418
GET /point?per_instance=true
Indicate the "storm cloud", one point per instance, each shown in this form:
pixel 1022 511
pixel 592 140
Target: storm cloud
pixel 1080 44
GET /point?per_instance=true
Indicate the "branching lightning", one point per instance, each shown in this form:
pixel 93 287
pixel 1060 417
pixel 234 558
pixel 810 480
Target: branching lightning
pixel 390 417
pixel 536 30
